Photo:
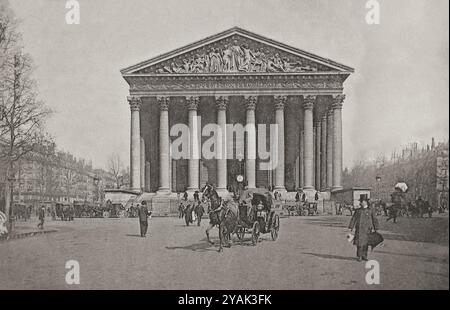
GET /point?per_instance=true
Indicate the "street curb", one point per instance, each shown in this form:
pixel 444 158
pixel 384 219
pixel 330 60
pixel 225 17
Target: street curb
pixel 27 234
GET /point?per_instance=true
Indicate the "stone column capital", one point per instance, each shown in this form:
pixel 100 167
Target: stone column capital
pixel 329 112
pixel 134 102
pixel 250 102
pixel 280 101
pixel 308 101
pixel 221 102
pixel 337 101
pixel 192 102
pixel 163 102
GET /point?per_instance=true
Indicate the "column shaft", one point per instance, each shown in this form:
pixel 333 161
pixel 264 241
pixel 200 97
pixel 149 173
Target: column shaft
pixel 194 153
pixel 135 141
pixel 221 105
pixel 250 160
pixel 142 163
pixel 302 159
pixel 147 177
pixel 323 154
pixel 317 154
pixel 337 141
pixel 279 120
pixel 329 150
pixel 164 146
pixel 308 104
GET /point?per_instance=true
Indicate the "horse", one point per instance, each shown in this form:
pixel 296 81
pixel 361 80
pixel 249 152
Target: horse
pixel 398 204
pixel 223 214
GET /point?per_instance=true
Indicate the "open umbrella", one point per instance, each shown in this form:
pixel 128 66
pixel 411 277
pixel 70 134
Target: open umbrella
pixel 401 186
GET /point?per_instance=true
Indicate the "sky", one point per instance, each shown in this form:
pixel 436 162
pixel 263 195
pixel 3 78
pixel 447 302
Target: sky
pixel 398 94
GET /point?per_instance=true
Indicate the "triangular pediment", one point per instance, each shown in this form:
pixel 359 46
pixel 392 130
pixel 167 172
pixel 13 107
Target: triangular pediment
pixel 236 51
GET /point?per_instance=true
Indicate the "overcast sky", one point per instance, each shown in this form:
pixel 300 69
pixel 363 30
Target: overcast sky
pixel 398 94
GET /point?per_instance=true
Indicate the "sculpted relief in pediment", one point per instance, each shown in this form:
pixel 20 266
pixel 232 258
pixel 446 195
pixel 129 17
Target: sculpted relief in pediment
pixel 235 54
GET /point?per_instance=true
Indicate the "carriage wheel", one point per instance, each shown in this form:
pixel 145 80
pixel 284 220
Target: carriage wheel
pixel 255 233
pixel 105 214
pixel 121 213
pixel 275 227
pixel 240 233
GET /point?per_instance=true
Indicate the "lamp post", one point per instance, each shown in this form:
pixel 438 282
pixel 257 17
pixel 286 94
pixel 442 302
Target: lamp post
pixel 96 182
pixel 378 179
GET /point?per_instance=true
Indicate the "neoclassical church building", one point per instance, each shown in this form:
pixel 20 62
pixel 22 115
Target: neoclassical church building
pixel 236 77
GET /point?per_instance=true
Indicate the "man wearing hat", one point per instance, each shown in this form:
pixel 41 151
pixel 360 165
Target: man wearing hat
pixel 143 218
pixel 364 221
pixel 41 216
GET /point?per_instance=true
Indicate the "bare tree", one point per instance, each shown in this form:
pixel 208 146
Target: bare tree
pixel 115 167
pixel 23 116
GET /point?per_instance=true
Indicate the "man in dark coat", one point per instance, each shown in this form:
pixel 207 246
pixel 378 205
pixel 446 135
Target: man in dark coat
pixel 143 215
pixel 200 210
pixel 364 221
pixel 41 215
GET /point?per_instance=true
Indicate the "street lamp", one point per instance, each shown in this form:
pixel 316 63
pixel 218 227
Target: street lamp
pixel 378 179
pixel 96 182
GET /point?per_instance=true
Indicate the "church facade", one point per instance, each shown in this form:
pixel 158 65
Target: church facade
pixel 237 77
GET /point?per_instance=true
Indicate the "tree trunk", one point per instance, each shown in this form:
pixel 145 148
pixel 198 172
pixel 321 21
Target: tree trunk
pixel 8 195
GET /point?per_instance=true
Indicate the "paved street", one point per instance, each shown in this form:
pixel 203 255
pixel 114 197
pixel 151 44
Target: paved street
pixel 311 253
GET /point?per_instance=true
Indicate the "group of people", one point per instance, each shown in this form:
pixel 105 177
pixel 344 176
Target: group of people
pixel 193 210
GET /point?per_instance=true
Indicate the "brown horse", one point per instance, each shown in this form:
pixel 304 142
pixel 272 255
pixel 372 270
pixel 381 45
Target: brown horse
pixel 223 214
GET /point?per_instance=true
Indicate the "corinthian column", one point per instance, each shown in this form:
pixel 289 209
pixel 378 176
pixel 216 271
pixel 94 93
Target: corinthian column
pixel 164 146
pixel 280 101
pixel 221 105
pixel 323 154
pixel 308 104
pixel 301 159
pixel 329 149
pixel 135 156
pixel 337 141
pixel 250 161
pixel 317 153
pixel 142 163
pixel 194 150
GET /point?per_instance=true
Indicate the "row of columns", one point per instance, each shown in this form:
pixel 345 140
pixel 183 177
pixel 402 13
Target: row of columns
pixel 328 147
pixel 320 140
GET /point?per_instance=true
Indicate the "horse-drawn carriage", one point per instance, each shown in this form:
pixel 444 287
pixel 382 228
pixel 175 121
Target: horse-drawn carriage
pixel 250 213
pixel 256 216
pixel 113 210
pixel 300 208
pixel 86 209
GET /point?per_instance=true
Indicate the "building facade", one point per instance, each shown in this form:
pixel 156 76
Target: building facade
pixel 236 77
pixel 60 178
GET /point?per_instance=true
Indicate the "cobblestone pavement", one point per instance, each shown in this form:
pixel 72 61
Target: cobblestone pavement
pixel 311 253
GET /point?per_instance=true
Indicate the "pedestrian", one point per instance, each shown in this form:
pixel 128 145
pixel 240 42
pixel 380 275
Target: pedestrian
pixel 364 221
pixel 200 210
pixel 297 196
pixel 428 208
pixel 196 196
pixel 143 218
pixel 304 198
pixel 397 200
pixel 41 216
pixel 316 196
